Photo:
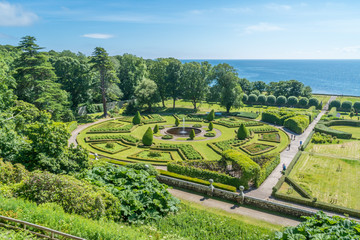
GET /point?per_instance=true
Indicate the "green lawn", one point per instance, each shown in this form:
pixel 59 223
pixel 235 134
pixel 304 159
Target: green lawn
pixel 346 98
pixel 323 98
pixel 354 130
pixel 331 180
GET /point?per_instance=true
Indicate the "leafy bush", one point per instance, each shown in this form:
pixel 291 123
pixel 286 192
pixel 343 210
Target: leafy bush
pixel 271 100
pixel 321 138
pixel 243 132
pixel 197 125
pixel 321 226
pixel 346 106
pixel 192 134
pixel 357 106
pixel 245 97
pixel 187 149
pixel 321 128
pixel 154 154
pixel 336 104
pixel 252 98
pixel 303 102
pixel 148 138
pixel 313 102
pixel 74 195
pixel 262 99
pixel 110 145
pixel 211 126
pixel 167 136
pixel 293 101
pixel 276 117
pixel 150 169
pixel 211 116
pixel 137 118
pixel 281 100
pixel 298 124
pixel 125 128
pixel 209 134
pixel 141 196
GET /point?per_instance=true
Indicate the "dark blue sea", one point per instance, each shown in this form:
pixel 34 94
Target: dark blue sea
pixel 323 76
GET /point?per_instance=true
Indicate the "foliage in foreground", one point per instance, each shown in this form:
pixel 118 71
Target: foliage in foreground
pixel 190 223
pixel 321 226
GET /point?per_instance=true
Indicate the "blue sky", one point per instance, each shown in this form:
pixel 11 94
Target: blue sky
pixel 205 29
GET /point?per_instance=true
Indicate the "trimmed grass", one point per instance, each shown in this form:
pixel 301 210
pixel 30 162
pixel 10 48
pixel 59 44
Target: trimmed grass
pixel 346 98
pixel 147 155
pixel 331 180
pixel 323 98
pixel 348 149
pixel 286 189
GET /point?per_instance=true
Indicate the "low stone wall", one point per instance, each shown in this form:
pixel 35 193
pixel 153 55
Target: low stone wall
pixel 235 197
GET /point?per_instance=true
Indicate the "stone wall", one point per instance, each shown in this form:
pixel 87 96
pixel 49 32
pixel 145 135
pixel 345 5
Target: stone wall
pixel 235 197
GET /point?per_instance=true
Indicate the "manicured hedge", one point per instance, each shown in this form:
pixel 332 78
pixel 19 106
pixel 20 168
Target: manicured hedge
pixel 180 168
pixel 197 180
pixel 298 124
pixel 322 128
pixel 267 168
pixel 298 188
pixel 276 117
pixel 251 115
pixel 307 141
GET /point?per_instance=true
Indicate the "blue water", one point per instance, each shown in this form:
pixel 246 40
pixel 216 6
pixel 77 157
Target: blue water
pixel 323 76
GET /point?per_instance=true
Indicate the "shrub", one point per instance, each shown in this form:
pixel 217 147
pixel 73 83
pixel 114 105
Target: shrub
pixel 276 117
pixel 211 126
pixel 245 97
pixel 281 100
pixel 74 195
pixel 177 121
pixel 252 98
pixel 243 132
pixel 303 102
pixel 333 132
pixel 314 102
pixel 271 100
pixel 262 99
pixel 297 123
pixel 110 145
pixel 197 125
pixel 156 129
pixel 147 139
pixel 150 169
pixel 137 118
pixel 357 106
pixel 192 134
pixel 167 136
pixel 293 101
pixel 209 134
pixel 346 106
pixel 321 138
pixel 12 173
pixel 211 116
pixel 335 103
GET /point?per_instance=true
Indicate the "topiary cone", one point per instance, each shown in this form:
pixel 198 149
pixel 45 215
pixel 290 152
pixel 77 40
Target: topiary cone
pixel 211 126
pixel 137 118
pixel 148 138
pixel 177 122
pixel 210 116
pixel 192 134
pixel 243 132
pixel 156 129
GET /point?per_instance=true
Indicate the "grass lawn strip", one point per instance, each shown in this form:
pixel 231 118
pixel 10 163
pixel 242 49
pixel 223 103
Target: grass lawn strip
pixel 256 148
pixel 119 147
pixel 146 156
pixel 270 137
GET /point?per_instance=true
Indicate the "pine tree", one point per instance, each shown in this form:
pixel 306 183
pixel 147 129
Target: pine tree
pixel 211 116
pixel 156 129
pixel 211 126
pixel 192 134
pixel 177 121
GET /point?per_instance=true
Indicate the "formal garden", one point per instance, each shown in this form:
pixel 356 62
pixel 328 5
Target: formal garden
pixel 325 173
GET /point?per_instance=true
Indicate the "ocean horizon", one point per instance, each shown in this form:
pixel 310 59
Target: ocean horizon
pixel 324 76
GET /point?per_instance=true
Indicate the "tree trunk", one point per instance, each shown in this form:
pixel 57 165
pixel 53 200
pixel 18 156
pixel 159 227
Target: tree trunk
pixel 103 93
pixel 228 108
pixel 163 102
pixel 174 103
pixel 194 103
pixel 149 108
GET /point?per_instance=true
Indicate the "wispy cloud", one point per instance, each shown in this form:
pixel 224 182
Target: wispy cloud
pixel 278 7
pixel 15 15
pixel 237 10
pixel 98 35
pixel 262 27
pixel 350 49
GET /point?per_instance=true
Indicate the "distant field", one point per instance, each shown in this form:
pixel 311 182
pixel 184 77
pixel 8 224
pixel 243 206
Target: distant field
pixel 351 99
pixel 331 180
pixel 354 130
pixel 346 149
pixel 322 98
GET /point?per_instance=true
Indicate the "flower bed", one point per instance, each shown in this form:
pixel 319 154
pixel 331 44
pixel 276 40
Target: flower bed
pixel 187 150
pixel 118 147
pixel 270 137
pixel 256 148
pixel 153 156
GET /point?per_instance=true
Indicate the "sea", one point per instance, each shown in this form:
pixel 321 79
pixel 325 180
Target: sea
pixel 340 77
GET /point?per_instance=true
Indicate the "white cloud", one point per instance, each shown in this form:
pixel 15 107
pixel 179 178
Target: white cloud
pixel 15 15
pixel 350 49
pixel 98 35
pixel 262 27
pixel 278 7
